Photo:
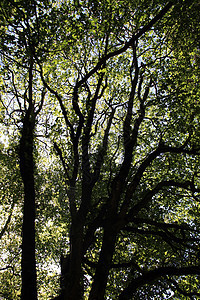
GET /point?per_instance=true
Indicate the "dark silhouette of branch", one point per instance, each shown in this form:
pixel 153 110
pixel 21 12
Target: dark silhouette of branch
pixel 128 44
pixel 3 230
pixel 153 275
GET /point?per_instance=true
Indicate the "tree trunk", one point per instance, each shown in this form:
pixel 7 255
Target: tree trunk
pixel 103 267
pixel 73 280
pixel 28 264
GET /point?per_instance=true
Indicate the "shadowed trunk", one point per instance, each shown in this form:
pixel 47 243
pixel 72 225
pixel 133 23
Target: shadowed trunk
pixel 104 263
pixel 29 289
pixel 73 280
pixel 29 285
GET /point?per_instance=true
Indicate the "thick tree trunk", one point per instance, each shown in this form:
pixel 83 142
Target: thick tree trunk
pixel 28 264
pixel 73 279
pixel 103 267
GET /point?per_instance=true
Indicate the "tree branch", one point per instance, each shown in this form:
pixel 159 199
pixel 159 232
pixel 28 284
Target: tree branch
pixel 135 37
pixel 162 148
pixel 3 230
pixel 150 193
pixel 58 97
pixel 59 152
pixel 153 275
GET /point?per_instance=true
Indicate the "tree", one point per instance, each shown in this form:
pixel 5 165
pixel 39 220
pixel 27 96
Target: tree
pixel 121 113
pixel 19 30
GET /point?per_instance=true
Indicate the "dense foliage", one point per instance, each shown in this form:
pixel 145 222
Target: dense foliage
pixel 99 149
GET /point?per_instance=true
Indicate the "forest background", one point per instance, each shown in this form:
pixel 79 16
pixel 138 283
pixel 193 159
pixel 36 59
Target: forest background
pixel 99 149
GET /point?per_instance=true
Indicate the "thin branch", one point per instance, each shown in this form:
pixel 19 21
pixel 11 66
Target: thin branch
pixel 183 226
pixel 3 230
pixel 162 148
pixel 167 236
pixel 59 152
pixel 102 149
pixel 150 193
pixel 43 93
pixel 128 44
pixel 59 98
